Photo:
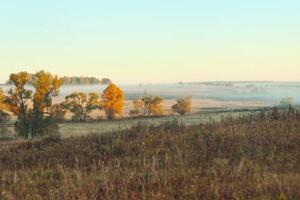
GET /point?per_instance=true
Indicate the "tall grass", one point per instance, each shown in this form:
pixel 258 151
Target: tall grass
pixel 251 157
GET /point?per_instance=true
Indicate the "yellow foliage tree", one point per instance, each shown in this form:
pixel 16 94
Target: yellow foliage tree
pixel 17 101
pixel 36 121
pixel 81 104
pixel 42 119
pixel 148 105
pixel 153 105
pixel 183 106
pixel 113 101
pixel 46 86
pixel 18 96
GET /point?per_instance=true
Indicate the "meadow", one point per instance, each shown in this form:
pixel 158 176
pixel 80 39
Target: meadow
pixel 254 156
pixel 69 128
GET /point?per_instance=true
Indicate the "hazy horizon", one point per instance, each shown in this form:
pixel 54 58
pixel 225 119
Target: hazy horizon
pixel 153 42
pixel 175 82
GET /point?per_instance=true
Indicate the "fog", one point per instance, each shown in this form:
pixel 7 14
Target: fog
pixel 227 91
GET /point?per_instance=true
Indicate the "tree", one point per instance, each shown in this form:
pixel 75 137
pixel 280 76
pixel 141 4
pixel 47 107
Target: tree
pixel 46 87
pixel 183 106
pixel 17 101
pixel 113 101
pixel 152 105
pixel 36 120
pixel 81 104
pixel 148 105
pixel 105 81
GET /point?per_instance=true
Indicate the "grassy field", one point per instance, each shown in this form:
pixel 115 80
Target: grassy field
pixel 69 128
pixel 250 157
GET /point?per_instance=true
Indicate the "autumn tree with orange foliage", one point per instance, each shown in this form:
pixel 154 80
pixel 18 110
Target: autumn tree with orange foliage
pixel 35 120
pixel 113 101
pixel 17 102
pixel 183 106
pixel 148 105
pixel 46 87
pixel 81 104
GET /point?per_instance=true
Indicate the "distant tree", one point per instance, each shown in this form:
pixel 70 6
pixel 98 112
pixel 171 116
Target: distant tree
pixel 183 106
pixel 81 104
pixel 152 105
pixel 70 80
pixel 38 120
pixel 105 81
pixel 113 101
pixel 148 105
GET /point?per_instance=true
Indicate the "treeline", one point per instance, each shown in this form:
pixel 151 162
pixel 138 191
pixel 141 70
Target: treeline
pixel 73 80
pixel 84 80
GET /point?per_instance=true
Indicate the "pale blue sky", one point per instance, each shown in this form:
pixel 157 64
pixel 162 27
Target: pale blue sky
pixel 154 41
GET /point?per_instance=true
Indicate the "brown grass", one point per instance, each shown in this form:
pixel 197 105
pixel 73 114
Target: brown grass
pixel 254 157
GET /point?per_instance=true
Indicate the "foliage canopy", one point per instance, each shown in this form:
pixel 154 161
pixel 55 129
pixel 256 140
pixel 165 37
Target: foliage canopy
pixel 113 101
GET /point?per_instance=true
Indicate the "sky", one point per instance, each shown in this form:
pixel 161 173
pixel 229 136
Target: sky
pixel 157 41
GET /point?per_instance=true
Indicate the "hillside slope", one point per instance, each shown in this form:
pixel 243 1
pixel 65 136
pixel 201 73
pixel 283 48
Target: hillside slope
pixel 242 159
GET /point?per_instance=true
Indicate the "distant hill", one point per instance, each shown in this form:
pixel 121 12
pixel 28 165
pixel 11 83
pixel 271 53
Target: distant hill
pixel 76 80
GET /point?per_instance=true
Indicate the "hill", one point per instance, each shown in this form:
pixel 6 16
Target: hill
pixel 246 158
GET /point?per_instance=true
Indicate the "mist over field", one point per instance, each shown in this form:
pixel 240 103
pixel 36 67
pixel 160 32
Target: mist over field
pixel 267 92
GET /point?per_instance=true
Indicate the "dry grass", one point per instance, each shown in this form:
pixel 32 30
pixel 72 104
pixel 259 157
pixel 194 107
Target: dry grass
pixel 247 158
